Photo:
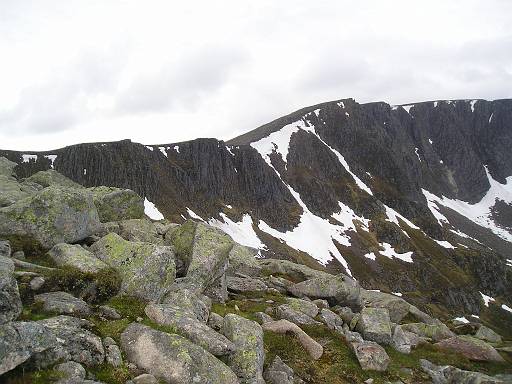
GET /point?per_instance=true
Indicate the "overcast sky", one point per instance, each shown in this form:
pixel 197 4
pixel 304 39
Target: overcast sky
pixel 165 71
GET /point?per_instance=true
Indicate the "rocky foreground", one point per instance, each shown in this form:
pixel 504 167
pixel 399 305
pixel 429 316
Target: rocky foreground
pixel 92 291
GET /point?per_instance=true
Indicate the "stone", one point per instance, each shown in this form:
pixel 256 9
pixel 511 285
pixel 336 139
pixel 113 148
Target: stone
pixel 247 359
pixel 145 378
pixel 215 322
pixel 10 300
pixel 452 375
pixel 321 303
pixel 77 257
pixel 279 283
pixel 331 320
pixel 307 307
pixel 284 311
pixel 487 334
pixel 352 337
pixel 20 255
pixel 345 313
pixel 374 325
pixel 11 191
pixel 218 290
pixel 172 358
pixel 147 270
pixel 7 167
pixel 397 307
pixel 436 332
pixel 190 327
pixel 108 312
pixel 403 341
pixel 279 373
pixel 371 356
pixel 243 285
pixel 51 216
pixel 139 230
pixel 5 248
pixel 37 283
pixel 314 349
pixel 115 204
pixel 262 317
pixel 470 347
pixel 196 304
pixel 337 290
pixel 295 272
pixel 71 371
pixel 63 303
pixel 51 177
pixel 112 352
pixel 75 342
pixel 21 340
pixel 242 260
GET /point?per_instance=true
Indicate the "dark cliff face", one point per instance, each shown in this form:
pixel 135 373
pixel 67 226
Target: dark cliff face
pixel 441 147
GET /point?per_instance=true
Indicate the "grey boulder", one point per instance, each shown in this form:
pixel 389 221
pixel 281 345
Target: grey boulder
pixel 371 356
pixel 75 256
pixel 285 311
pixel 63 303
pixel 10 301
pixel 279 373
pixel 374 325
pixel 116 204
pixel 245 284
pixel 5 248
pixel 242 261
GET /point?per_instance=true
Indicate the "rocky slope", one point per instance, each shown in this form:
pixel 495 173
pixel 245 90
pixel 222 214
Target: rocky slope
pixel 411 199
pixel 94 291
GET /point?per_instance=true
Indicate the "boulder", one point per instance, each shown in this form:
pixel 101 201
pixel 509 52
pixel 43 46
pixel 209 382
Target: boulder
pixel 11 191
pixel 7 167
pixel 195 304
pixel 305 306
pixel 295 272
pixel 279 283
pixel 331 320
pixel 136 230
pixel 112 352
pixel 62 303
pixel 314 349
pixel 374 325
pixel 247 359
pixel 172 358
pixel 147 270
pixel 451 375
pixel 51 177
pixel 10 301
pixel 5 248
pixel 487 334
pixel 37 283
pixel 471 347
pixel 21 340
pixel 284 311
pixel 108 312
pixel 397 307
pixel 191 328
pixel 345 313
pixel 436 332
pixel 245 284
pixel 321 303
pixel 51 216
pixel 74 342
pixel 218 290
pixel 371 356
pixel 403 341
pixel 71 371
pixel 75 256
pixel 337 290
pixel 242 260
pixel 145 378
pixel 262 317
pixel 115 204
pixel 279 373
pixel 215 322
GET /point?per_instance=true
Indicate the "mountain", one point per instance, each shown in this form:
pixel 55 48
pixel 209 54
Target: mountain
pixel 412 199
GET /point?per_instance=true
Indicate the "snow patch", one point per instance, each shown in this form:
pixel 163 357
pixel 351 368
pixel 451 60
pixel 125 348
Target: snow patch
pixel 407 108
pixel 462 319
pixel 490 117
pixel 444 244
pixel 430 141
pixel 347 114
pixel 162 149
pixel 150 148
pixel 193 215
pixel 506 308
pixel 435 104
pixel 152 211
pixel 472 104
pixel 370 256
pixel 230 150
pixel 509 262
pixel 85 171
pixel 397 294
pixel 341 104
pixel 487 299
pixel 390 252
pixel 417 154
pixel 52 159
pixel 229 206
pixel 27 158
pixel 393 216
pixel 241 232
pixel 177 148
pixel 441 162
pixel 434 208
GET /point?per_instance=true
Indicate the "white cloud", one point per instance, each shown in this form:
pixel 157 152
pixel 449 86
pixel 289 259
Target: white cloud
pixel 161 71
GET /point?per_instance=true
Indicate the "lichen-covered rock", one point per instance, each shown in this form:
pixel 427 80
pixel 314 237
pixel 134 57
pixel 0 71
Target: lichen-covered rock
pixel 145 378
pixel 63 303
pixel 7 167
pixel 279 373
pixel 471 347
pixel 337 290
pixel 487 334
pixel 37 283
pixel 247 359
pixel 196 304
pixel 279 283
pixel 11 191
pixel 331 320
pixel 307 307
pixel 53 215
pixel 314 349
pixel 20 340
pixel 51 177
pixel 345 313
pixel 115 204
pixel 72 372
pixel 242 260
pixel 147 270
pixel 189 327
pixel 397 308
pixel 245 284
pixel 262 317
pixel 5 248
pixel 74 342
pixel 451 375
pixel 112 352
pixel 403 341
pixel 435 332
pixel 284 311
pixel 136 230
pixel 296 272
pixel 371 356
pixel 173 358
pixel 374 325
pixel 10 301
pixel 108 312
pixel 75 256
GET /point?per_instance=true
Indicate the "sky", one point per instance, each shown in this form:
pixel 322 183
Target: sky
pixel 157 72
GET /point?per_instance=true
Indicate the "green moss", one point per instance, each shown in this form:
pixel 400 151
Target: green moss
pixel 20 376
pixel 110 328
pixel 111 375
pixel 128 306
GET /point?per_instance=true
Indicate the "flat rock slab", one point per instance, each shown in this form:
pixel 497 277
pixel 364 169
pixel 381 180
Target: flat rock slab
pixel 371 356
pixel 77 257
pixel 10 301
pixel 285 311
pixel 63 303
pixel 247 284
pixel 374 325
pixel 471 347
pixel 172 358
